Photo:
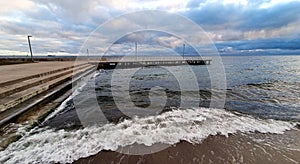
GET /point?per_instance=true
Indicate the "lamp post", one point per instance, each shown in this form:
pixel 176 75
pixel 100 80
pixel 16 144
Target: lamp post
pixel 88 55
pixel 183 49
pixel 28 37
pixel 135 51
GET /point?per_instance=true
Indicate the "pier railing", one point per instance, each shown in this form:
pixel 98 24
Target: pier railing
pixel 137 61
pixel 151 58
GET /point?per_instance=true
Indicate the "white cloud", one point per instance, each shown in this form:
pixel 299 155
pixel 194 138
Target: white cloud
pixel 169 5
pixel 9 6
pixel 239 2
pixel 272 3
pixel 286 31
pixel 169 41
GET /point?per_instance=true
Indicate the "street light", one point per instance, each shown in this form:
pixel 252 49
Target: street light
pixel 30 47
pixel 88 55
pixel 135 51
pixel 183 49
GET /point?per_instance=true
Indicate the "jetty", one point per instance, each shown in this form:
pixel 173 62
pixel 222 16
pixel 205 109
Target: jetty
pixel 142 61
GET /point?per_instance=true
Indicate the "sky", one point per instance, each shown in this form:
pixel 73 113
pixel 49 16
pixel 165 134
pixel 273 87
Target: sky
pixel 61 27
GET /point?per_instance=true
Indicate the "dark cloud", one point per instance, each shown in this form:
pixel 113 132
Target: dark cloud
pixel 214 14
pixel 263 44
pixel 270 18
pixel 244 18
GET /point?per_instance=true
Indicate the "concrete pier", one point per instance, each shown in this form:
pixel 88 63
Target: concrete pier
pixel 13 73
pixel 25 84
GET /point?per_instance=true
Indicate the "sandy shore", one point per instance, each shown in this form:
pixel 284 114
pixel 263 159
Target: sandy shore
pixel 237 148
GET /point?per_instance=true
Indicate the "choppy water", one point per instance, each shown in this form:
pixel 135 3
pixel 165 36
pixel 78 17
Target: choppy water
pixel 262 95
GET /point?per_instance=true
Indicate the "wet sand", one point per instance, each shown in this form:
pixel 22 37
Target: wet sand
pixel 237 148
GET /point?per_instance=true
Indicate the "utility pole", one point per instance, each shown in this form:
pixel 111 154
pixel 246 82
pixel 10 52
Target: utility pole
pixel 136 51
pixel 88 55
pixel 183 49
pixel 28 37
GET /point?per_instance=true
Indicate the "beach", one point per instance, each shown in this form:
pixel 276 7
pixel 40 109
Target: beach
pixel 236 148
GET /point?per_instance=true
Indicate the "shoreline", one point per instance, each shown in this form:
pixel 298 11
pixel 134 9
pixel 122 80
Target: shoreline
pixel 236 148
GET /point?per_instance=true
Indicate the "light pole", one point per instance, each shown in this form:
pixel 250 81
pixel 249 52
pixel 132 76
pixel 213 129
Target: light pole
pixel 88 55
pixel 135 51
pixel 183 49
pixel 28 37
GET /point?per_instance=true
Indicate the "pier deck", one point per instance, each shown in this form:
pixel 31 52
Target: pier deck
pixel 132 62
pixel 23 86
pixel 20 71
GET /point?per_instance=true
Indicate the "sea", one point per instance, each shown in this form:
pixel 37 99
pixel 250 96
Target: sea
pixel 250 113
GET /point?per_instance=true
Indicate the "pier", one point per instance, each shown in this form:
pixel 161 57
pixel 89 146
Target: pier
pixel 139 61
pixel 29 85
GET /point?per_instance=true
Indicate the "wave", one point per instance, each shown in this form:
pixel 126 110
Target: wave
pixel 43 145
pixel 77 89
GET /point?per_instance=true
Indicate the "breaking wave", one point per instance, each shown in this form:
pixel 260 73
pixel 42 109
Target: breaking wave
pixel 43 145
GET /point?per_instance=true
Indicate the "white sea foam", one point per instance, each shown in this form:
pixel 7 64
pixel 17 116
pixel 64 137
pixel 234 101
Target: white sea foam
pixel 97 73
pixel 192 125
